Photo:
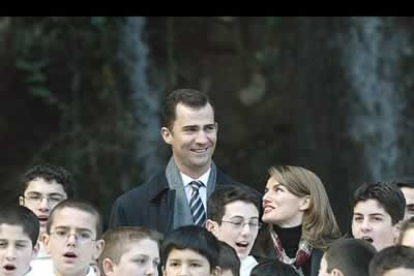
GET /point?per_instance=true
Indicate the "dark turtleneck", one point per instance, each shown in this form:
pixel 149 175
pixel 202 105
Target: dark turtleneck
pixel 290 238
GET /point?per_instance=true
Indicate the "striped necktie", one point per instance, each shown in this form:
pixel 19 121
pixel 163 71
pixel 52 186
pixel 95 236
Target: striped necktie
pixel 196 204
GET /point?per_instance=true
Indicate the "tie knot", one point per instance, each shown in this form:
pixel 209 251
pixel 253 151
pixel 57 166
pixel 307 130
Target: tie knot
pixel 196 185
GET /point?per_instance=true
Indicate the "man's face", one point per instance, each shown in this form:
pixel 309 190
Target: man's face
pixel 409 199
pixel 140 259
pixel 41 197
pixel 16 250
pixel 239 227
pixel 187 262
pixel 192 139
pixel 72 241
pixel 372 223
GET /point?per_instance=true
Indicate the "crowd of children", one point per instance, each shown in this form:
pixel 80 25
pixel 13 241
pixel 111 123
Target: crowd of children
pixel 52 234
pixel 190 219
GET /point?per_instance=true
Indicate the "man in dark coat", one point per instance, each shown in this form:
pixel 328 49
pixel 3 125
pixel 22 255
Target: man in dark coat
pixel 163 202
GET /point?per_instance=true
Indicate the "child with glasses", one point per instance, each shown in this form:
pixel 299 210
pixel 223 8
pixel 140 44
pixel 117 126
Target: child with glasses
pixel 233 217
pixel 19 230
pixel 42 187
pixel 130 251
pixel 73 238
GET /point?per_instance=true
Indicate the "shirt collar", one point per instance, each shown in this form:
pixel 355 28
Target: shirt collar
pixel 204 178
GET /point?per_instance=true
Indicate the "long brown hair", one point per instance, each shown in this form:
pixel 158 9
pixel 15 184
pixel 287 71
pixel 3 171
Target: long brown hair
pixel 319 227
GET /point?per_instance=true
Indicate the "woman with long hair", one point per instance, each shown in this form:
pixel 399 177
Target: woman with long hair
pixel 299 220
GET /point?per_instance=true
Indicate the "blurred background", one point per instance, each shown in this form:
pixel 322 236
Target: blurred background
pixel 333 95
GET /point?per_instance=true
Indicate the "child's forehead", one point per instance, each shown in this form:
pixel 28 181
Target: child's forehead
pixel 186 253
pixel 371 205
pixel 12 231
pixel 70 217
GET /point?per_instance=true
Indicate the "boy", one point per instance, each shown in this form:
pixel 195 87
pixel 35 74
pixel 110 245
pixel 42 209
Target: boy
pixel 233 217
pixel 407 188
pixel 347 257
pixel 229 262
pixel 393 261
pixel 190 250
pixel 19 231
pixel 42 188
pixel 72 238
pixel 378 207
pixel 132 251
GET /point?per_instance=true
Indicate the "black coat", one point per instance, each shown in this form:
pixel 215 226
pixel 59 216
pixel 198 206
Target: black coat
pixel 151 205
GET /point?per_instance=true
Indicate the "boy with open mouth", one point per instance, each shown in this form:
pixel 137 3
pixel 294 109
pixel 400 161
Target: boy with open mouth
pixel 73 238
pixel 377 209
pixel 19 230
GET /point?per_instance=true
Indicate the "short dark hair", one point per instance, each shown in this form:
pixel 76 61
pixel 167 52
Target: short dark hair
pixel 225 194
pixel 79 205
pixel 350 256
pixel 403 184
pixel 192 237
pixel 273 268
pixel 390 258
pixel 24 217
pixel 50 173
pixel 189 97
pixel 228 259
pixel 388 195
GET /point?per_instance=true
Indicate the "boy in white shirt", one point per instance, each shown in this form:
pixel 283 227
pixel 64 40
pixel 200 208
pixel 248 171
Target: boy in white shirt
pixel 233 217
pixel 73 238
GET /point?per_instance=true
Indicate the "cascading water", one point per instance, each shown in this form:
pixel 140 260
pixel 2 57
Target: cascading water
pixel 373 54
pixel 145 97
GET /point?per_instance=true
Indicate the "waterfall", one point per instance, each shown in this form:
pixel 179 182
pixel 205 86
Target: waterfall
pixel 145 98
pixel 372 56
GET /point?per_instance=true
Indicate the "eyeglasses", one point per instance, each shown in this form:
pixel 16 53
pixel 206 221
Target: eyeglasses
pixel 255 225
pixel 81 236
pixel 37 198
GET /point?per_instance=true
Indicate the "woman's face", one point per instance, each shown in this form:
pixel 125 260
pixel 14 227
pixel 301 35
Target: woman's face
pixel 281 207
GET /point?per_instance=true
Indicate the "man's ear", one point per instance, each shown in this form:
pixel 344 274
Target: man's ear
pixel 35 251
pixel 21 200
pixel 100 244
pixel 217 126
pixel 107 267
pixel 164 271
pixel 305 203
pixel 396 231
pixel 336 272
pixel 216 271
pixel 166 135
pixel 46 242
pixel 211 225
